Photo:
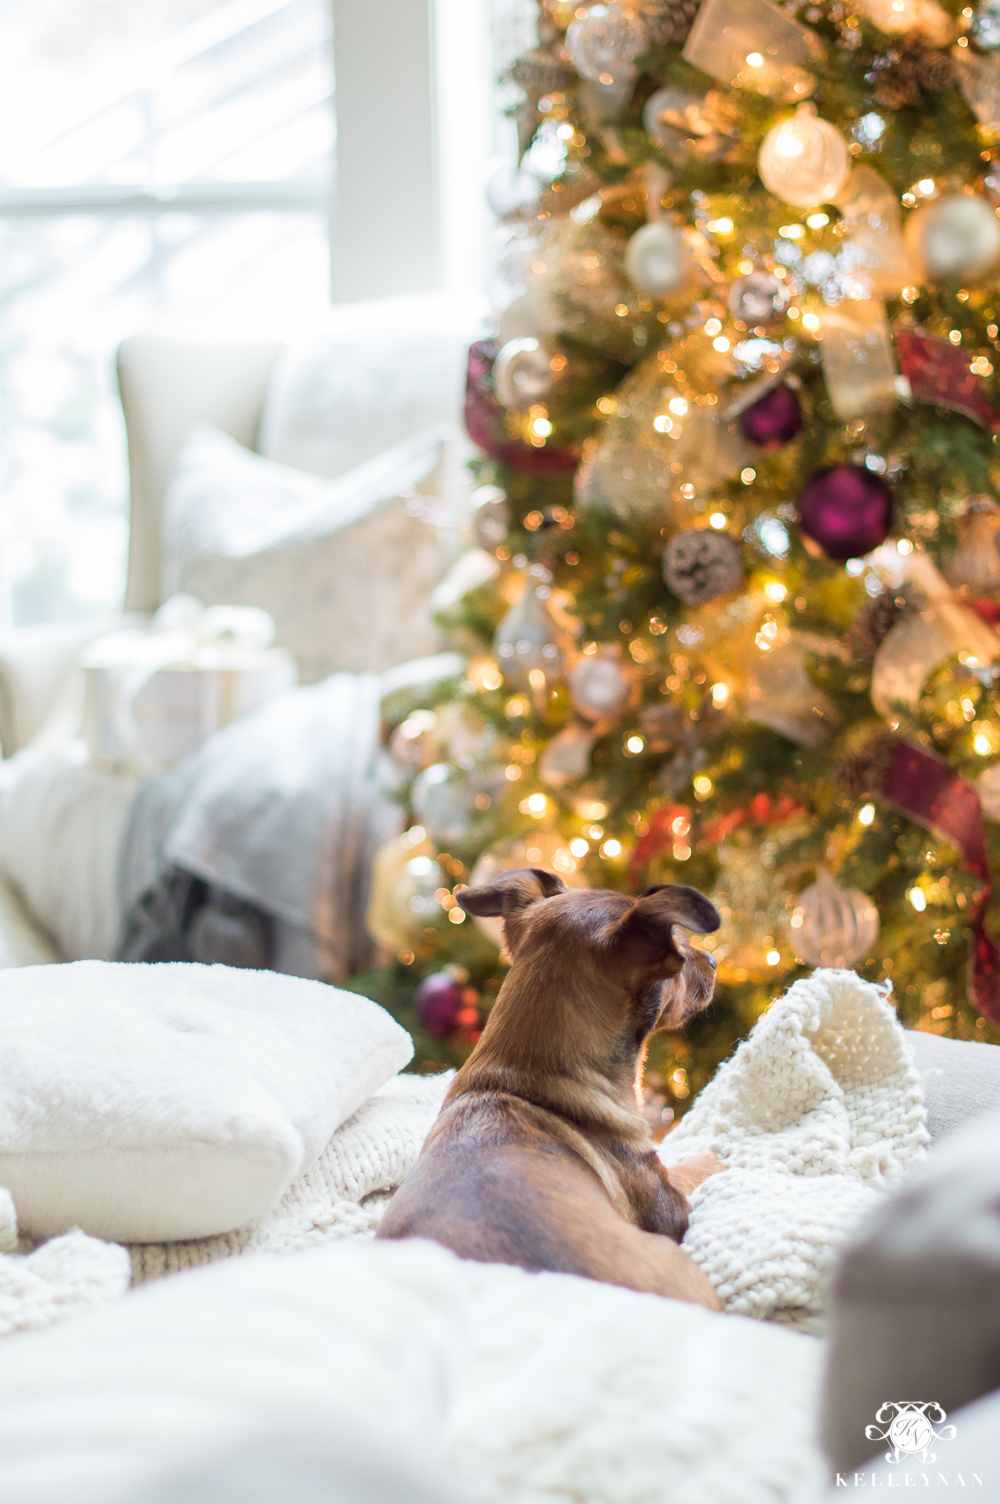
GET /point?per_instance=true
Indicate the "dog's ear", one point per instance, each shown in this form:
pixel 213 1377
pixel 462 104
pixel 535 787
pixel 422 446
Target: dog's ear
pixel 509 896
pixel 645 936
pixel 509 892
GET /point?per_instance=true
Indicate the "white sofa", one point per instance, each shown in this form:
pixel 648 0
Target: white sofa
pixel 166 386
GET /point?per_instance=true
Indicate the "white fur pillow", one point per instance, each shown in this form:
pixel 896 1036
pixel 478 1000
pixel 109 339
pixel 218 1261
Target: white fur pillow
pixel 144 1103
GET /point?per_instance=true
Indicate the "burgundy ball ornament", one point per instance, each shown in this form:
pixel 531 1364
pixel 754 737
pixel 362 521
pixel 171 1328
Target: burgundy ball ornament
pixel 773 420
pixel 846 510
pixel 438 1003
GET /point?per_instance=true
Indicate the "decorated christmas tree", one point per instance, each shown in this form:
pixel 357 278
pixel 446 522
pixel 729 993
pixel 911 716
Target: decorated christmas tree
pixel 732 600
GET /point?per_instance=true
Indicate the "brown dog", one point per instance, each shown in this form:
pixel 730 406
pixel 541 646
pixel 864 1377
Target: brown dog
pixel 540 1156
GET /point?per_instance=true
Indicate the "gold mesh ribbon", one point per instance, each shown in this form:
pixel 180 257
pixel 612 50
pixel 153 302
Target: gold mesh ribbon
pixel 754 45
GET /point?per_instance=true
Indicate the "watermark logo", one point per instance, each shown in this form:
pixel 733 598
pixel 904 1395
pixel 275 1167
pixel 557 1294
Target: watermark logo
pixel 911 1429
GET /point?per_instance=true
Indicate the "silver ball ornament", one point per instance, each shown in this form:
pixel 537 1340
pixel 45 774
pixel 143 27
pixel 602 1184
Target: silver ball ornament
pixel 831 925
pixel 758 299
pixel 490 517
pixel 955 238
pixel 600 687
pixel 523 372
pixel 685 124
pixel 656 259
pixel 604 43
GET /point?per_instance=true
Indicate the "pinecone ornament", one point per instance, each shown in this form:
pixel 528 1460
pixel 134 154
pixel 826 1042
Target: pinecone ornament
pixel 540 72
pixel 669 21
pixel 909 71
pixel 537 74
pixel 877 617
pixel 864 762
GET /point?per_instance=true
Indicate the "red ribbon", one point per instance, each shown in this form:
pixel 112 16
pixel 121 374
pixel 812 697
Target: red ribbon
pixel 925 789
pixel 938 373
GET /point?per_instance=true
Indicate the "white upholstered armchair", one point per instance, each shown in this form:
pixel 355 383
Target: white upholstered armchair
pixel 378 377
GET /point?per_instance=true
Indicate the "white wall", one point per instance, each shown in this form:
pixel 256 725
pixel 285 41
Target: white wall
pixel 416 128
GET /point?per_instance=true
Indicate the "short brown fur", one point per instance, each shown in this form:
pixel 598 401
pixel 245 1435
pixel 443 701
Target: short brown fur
pixel 540 1156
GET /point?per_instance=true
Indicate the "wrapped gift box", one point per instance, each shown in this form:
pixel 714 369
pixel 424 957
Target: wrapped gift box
pixel 151 697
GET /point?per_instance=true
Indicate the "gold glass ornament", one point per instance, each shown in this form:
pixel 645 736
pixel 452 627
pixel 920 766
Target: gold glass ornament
pixel 748 646
pixel 975 565
pixel 955 238
pixel 405 877
pixel 540 848
pixel 804 160
pixel 831 925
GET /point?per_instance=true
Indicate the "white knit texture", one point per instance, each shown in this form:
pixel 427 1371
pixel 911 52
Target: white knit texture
pixel 819 1111
pixel 342 1196
pixel 58 1279
pixel 522 1388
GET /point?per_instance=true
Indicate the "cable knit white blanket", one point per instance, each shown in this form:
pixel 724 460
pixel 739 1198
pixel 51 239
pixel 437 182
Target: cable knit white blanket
pixel 63 1276
pixel 819 1111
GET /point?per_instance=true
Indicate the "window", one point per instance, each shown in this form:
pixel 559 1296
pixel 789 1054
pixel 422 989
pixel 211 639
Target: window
pixel 160 160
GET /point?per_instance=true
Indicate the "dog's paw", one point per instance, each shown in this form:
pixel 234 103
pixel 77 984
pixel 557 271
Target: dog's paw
pixel 689 1174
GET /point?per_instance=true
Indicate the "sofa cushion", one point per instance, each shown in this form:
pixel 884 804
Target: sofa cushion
pixel 916 1301
pixel 148 1102
pixel 345 567
pixel 960 1079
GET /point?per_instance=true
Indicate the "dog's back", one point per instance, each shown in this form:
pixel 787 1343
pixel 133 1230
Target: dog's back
pixel 539 1157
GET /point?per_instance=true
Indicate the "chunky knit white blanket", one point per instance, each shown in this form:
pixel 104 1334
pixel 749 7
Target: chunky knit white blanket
pixel 63 1276
pixel 819 1111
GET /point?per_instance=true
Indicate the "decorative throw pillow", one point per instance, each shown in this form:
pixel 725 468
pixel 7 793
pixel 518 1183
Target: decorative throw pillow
pixel 345 567
pixel 343 399
pixel 143 1103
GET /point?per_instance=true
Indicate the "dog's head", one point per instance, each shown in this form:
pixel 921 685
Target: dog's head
pixel 599 943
